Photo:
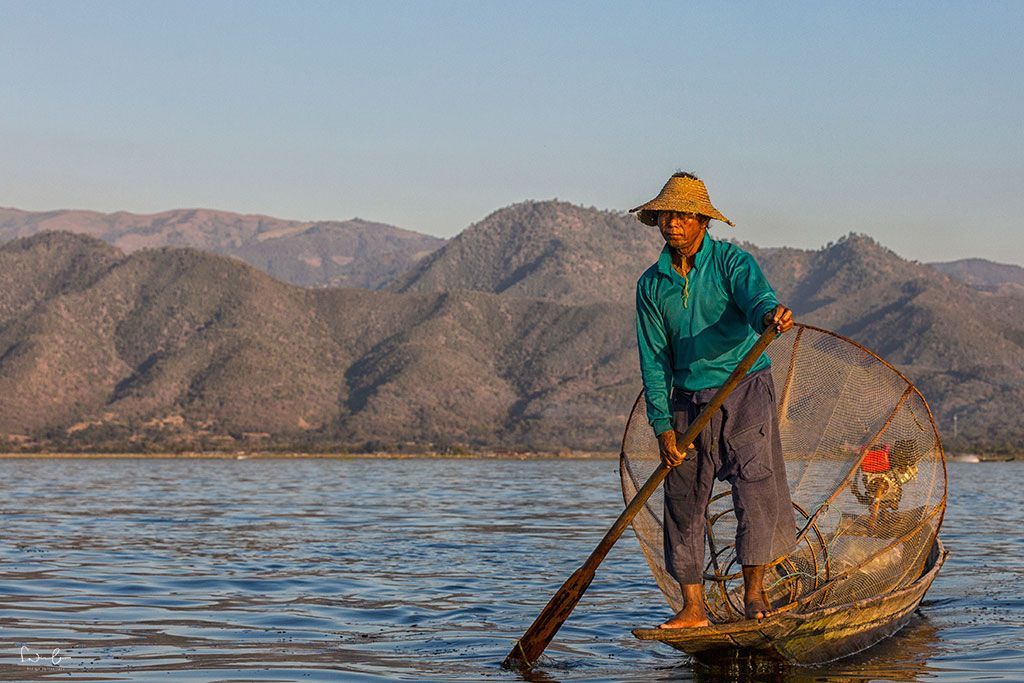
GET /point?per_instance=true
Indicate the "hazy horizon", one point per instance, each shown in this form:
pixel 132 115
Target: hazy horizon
pixel 808 121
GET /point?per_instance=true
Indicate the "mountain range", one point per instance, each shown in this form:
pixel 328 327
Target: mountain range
pixel 353 253
pixel 515 334
pixel 983 274
pixel 550 250
pixel 177 348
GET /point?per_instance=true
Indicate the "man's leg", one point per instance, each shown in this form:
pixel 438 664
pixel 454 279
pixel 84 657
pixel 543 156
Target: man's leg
pixel 765 527
pixel 687 490
pixel 685 504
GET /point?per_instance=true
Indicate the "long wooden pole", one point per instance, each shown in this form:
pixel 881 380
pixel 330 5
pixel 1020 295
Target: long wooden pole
pixel 528 648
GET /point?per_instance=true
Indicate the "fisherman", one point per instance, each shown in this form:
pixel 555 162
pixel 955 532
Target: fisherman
pixel 699 310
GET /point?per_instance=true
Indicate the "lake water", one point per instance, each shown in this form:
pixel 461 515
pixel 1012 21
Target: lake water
pixel 322 570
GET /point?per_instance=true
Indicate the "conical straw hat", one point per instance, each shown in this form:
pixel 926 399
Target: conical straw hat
pixel 681 193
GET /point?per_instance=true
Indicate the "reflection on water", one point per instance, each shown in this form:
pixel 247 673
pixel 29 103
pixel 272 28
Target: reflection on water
pixel 423 569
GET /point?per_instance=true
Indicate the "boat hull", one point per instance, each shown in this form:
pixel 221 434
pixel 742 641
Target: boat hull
pixel 813 637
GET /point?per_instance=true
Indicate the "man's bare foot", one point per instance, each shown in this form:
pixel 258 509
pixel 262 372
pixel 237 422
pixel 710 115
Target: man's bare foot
pixel 755 601
pixel 687 619
pixel 757 607
pixel 693 613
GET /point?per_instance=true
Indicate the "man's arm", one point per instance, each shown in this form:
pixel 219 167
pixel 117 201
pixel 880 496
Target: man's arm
pixel 752 292
pixel 655 359
pixel 656 371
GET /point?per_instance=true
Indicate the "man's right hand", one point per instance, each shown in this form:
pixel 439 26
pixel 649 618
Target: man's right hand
pixel 670 454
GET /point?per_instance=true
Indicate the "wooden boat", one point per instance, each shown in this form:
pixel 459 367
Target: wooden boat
pixel 808 637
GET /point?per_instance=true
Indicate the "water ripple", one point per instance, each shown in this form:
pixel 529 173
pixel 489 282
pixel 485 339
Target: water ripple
pixel 323 570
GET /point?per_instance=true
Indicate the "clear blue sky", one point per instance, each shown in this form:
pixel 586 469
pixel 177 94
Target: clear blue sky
pixel 904 121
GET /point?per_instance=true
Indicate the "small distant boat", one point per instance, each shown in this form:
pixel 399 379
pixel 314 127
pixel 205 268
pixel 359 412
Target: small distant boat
pixel 969 457
pixel 806 635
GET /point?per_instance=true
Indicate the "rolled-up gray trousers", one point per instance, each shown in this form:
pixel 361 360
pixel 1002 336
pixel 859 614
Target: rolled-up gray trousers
pixel 741 445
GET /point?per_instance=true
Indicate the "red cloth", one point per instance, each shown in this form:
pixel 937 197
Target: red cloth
pixel 876 459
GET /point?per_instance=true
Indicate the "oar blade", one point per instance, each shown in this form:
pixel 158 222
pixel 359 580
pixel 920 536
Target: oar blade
pixel 529 648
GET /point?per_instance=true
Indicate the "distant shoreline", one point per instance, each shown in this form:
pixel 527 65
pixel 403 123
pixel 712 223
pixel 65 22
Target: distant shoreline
pixel 485 455
pixel 216 455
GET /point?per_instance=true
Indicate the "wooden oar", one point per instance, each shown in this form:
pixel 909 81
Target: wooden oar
pixel 561 605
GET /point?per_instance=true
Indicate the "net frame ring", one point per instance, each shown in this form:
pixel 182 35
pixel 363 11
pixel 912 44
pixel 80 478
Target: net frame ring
pixel 793 577
pixel 820 578
pixel 728 595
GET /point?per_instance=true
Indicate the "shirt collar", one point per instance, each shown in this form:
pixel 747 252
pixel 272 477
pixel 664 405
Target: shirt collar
pixel 703 254
pixel 665 261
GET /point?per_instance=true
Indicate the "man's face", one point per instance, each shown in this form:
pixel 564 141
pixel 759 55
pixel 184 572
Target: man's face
pixel 683 232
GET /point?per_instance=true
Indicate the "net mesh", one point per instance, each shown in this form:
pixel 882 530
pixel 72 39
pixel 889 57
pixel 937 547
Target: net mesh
pixel 866 474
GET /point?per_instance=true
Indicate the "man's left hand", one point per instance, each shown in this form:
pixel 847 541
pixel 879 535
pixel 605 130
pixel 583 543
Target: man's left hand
pixel 781 317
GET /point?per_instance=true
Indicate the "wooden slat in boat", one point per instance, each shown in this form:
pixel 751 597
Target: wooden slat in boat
pixel 812 637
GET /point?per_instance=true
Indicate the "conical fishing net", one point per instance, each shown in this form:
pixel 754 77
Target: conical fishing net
pixel 866 474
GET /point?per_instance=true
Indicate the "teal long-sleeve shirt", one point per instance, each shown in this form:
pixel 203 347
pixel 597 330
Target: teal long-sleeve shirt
pixel 693 334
